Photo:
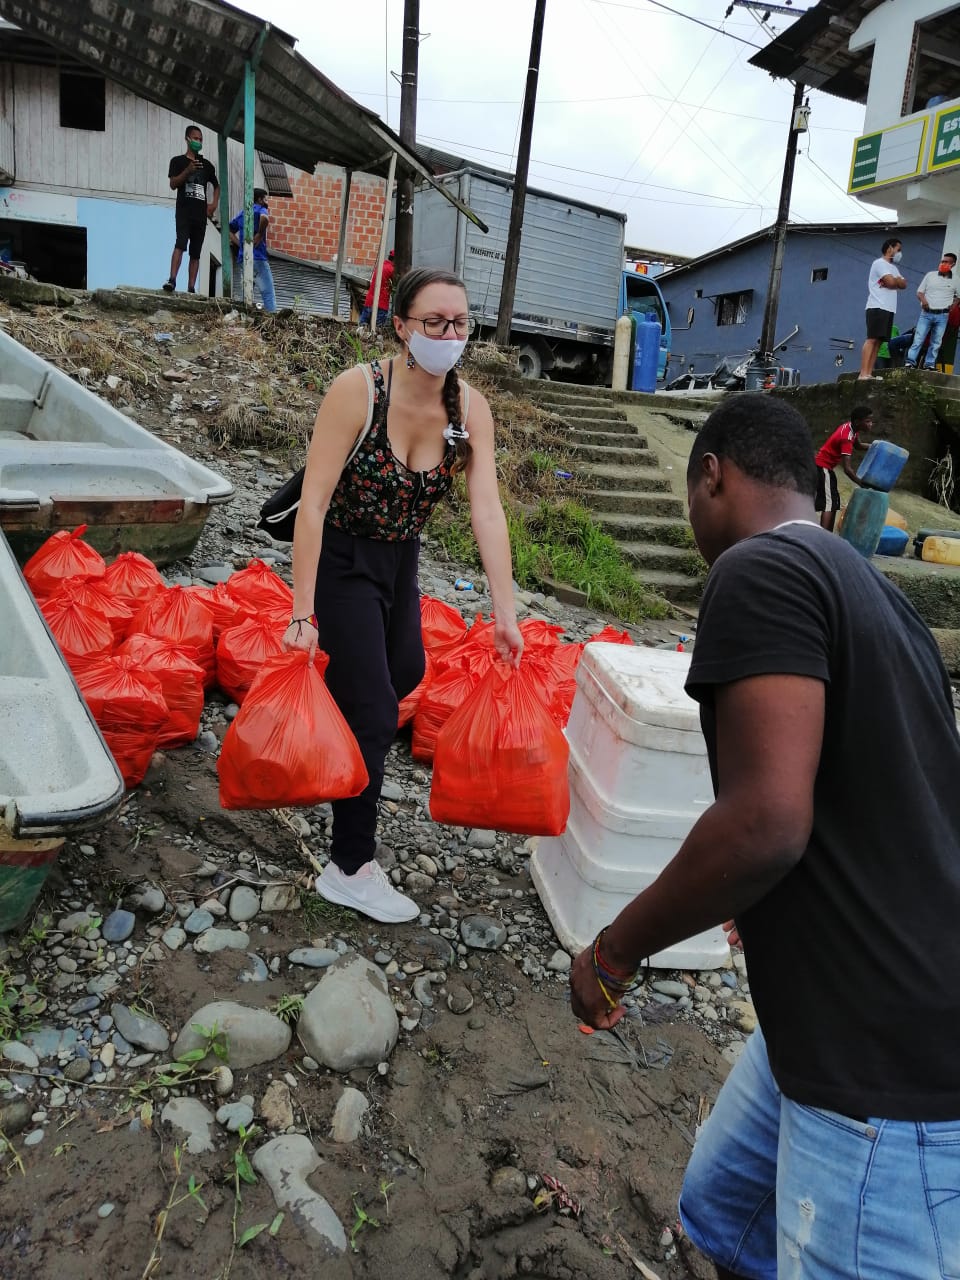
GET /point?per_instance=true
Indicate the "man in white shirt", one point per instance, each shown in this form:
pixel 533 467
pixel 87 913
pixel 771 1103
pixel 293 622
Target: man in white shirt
pixel 882 286
pixel 936 293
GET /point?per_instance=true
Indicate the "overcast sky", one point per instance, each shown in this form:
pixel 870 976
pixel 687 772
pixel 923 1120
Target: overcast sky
pixel 638 109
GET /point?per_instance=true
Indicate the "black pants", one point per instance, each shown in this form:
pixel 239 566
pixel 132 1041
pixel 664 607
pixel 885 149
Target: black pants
pixel 368 610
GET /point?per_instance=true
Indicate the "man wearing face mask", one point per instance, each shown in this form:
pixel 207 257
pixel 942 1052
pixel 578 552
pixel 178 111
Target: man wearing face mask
pixel 883 283
pixel 936 293
pixel 190 175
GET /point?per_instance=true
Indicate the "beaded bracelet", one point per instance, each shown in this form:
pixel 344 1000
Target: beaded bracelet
pixel 607 979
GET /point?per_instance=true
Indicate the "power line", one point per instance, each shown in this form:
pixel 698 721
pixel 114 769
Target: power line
pixel 592 173
pixel 620 97
pixel 613 4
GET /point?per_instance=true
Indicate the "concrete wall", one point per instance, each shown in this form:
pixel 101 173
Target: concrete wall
pixel 905 412
pixel 830 313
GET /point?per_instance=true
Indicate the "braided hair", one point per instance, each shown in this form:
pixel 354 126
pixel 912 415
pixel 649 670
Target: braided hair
pixel 404 296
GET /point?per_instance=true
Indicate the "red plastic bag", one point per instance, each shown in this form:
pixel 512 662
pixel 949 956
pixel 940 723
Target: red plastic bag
pixel 501 761
pixel 443 695
pixel 441 624
pixel 127 703
pixel 178 615
pixel 555 669
pixel 409 704
pixel 81 630
pixel 62 556
pixel 259 590
pixel 242 651
pixel 610 635
pixel 133 579
pixel 537 632
pixel 181 681
pixel 289 744
pixel 226 611
pixel 92 593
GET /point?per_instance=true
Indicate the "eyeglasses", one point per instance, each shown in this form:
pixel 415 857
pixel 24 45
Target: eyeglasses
pixel 437 326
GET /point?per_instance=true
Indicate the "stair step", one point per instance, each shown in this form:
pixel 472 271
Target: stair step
pixel 638 526
pixel 631 456
pixel 610 426
pixel 608 476
pixel 588 404
pixel 585 413
pixel 660 555
pixel 633 501
pixel 677 588
pixel 605 497
pixel 580 434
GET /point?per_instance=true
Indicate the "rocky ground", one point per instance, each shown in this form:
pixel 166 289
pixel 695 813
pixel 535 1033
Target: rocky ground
pixel 208 1072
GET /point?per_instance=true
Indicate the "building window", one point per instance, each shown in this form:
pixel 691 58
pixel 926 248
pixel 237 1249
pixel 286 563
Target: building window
pixel 732 307
pixel 818 274
pixel 83 101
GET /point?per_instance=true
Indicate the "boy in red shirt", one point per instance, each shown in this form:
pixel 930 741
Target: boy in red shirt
pixel 838 451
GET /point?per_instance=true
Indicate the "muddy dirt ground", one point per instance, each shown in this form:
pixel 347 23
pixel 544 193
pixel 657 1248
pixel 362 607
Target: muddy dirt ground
pixel 515 1084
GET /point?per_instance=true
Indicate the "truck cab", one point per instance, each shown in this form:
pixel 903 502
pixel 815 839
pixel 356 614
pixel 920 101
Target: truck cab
pixel 640 296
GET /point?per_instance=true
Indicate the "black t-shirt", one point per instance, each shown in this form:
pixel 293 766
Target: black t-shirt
pixel 854 957
pixel 192 195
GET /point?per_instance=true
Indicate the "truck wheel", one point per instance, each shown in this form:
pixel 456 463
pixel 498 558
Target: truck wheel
pixel 530 362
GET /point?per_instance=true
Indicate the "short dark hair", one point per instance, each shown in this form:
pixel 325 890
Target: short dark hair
pixel 260 191
pixel 951 256
pixel 762 435
pixel 888 244
pixel 860 412
pixel 192 128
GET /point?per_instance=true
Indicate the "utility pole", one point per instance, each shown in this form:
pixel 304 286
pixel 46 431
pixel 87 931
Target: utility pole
pixel 403 238
pixel 512 257
pixel 798 125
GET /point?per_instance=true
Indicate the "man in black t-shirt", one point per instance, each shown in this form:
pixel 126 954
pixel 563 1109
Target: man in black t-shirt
pixel 833 1149
pixel 190 175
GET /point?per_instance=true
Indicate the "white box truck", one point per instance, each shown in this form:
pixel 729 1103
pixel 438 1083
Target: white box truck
pixel 571 285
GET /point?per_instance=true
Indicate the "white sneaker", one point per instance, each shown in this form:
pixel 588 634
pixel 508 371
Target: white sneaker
pixel 368 891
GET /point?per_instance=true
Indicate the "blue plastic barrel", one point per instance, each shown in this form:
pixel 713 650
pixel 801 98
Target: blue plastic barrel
pixel 893 541
pixel 647 357
pixel 881 466
pixel 863 520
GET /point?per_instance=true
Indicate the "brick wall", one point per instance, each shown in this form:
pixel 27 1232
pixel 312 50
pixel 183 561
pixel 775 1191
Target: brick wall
pixel 308 225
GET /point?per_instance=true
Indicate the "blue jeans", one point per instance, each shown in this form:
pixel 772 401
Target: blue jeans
pixel 935 325
pixel 382 314
pixel 263 279
pixel 776 1190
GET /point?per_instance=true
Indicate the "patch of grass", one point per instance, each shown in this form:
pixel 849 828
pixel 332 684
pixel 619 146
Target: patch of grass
pixel 287 1008
pixel 561 541
pixel 318 913
pixel 21 1004
pixel 361 1221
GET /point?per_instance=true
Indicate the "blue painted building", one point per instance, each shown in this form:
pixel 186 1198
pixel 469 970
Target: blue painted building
pixel 823 295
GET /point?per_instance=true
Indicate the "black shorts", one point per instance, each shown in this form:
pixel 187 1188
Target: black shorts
pixel 828 495
pixel 879 323
pixel 191 230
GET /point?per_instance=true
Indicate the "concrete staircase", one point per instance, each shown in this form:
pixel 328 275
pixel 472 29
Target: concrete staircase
pixel 629 494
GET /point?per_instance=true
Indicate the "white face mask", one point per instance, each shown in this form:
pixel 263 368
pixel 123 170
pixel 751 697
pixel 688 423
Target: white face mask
pixel 897 256
pixel 435 355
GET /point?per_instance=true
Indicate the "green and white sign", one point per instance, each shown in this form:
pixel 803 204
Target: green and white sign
pixel 890 155
pixel 945 148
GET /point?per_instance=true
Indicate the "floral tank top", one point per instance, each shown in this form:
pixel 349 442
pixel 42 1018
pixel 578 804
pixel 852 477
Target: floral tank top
pixel 376 495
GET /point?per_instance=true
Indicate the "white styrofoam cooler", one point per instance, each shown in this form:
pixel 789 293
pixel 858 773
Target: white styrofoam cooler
pixel 639 779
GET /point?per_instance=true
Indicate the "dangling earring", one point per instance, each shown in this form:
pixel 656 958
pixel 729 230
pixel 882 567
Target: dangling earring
pixel 411 363
pixel 460 362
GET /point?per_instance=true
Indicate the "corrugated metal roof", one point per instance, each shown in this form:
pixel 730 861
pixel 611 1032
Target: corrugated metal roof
pixel 189 58
pixel 304 286
pixel 275 175
pixel 814 52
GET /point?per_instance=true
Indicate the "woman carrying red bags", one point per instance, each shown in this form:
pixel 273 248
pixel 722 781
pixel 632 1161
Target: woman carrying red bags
pixel 367 494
